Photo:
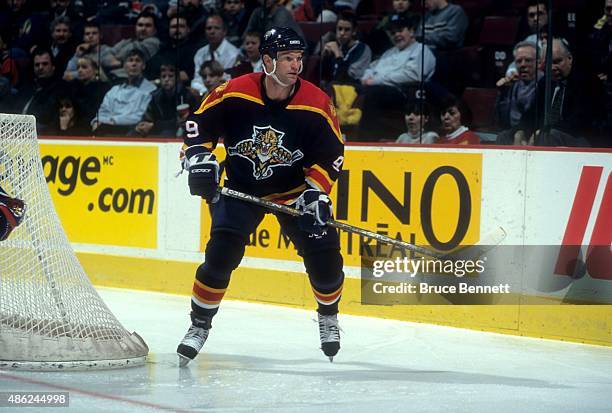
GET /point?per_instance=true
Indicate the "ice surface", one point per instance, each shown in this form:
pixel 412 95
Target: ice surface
pixel 262 358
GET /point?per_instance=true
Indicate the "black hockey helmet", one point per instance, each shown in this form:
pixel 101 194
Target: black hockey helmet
pixel 278 39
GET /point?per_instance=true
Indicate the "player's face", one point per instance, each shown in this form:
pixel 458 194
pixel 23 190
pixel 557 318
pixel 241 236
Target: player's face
pixel 91 35
pixel 61 33
pixel 344 32
pixel 134 66
pixel 145 28
pixel 451 119
pixel 178 29
pixel 251 47
pixel 85 70
pixel 288 65
pixel 401 6
pixel 525 62
pixel 215 32
pixel 608 11
pixel 43 67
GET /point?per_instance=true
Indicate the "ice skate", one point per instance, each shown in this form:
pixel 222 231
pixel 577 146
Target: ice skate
pixel 193 341
pixel 329 332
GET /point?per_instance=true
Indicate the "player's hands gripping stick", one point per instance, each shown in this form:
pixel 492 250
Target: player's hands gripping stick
pixel 317 210
pixel 203 170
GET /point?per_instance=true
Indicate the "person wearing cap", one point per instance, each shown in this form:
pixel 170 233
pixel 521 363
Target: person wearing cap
pixel 283 144
pixel 384 81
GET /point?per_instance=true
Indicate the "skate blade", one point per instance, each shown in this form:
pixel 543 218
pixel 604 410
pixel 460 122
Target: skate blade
pixel 331 359
pixel 183 361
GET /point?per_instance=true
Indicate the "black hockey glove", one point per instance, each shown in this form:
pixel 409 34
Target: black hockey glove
pixel 203 172
pixel 12 211
pixel 316 211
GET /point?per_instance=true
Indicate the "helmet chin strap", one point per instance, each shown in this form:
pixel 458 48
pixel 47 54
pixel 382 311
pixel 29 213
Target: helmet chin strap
pixel 272 73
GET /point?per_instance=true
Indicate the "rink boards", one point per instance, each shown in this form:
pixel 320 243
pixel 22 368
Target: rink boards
pixel 134 225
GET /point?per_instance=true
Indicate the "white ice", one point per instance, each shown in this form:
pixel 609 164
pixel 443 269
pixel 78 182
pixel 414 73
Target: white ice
pixel 262 358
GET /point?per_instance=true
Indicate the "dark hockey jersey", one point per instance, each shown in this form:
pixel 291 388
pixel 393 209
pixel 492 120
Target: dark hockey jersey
pixel 274 148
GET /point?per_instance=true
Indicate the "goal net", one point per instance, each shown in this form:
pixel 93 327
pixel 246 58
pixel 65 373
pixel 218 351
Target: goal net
pixel 51 317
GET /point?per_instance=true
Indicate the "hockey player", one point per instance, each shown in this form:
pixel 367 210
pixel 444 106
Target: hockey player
pixel 11 214
pixel 283 143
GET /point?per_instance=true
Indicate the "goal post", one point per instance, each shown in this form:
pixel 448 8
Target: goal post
pixel 51 317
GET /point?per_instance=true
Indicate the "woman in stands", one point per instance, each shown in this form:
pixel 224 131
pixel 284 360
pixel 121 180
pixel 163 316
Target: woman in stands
pixel 88 89
pixel 456 117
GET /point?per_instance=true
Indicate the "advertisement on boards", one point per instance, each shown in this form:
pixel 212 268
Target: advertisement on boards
pixel 104 194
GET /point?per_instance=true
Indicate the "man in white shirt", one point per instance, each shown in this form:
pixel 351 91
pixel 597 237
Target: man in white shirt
pixel 385 80
pixel 218 48
pixel 124 105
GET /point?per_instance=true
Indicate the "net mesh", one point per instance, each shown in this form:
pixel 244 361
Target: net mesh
pixel 50 314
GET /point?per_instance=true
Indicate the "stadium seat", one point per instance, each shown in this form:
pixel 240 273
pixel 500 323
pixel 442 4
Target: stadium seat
pixel 313 31
pixel 499 30
pixel 365 26
pixel 113 33
pixel 481 102
pixel 312 70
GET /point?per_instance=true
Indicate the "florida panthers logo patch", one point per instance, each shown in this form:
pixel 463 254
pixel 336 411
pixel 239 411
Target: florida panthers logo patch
pixel 265 150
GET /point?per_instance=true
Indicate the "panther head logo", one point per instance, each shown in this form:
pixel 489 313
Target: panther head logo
pixel 265 151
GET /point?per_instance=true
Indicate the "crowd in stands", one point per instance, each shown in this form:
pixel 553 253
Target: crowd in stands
pixel 426 71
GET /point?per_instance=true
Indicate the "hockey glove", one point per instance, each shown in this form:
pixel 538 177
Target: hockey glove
pixel 203 170
pixel 316 210
pixel 12 211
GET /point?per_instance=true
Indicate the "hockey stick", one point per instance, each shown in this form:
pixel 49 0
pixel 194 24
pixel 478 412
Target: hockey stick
pixel 332 223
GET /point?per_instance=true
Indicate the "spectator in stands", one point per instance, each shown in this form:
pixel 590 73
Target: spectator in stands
pixel 218 48
pixel 66 8
pixel 445 25
pixel 162 116
pixel 577 101
pixel 88 88
pixel 416 116
pixel 345 59
pixel 536 17
pixel 381 38
pixel 517 91
pixel 23 29
pixel 41 97
pixel 181 49
pixel 601 44
pixel 213 74
pixel 8 67
pixel 236 19
pixel 385 80
pixel 69 123
pixel 249 60
pixel 125 104
pixel 62 44
pixel 145 41
pixel 271 13
pixel 114 12
pixel 195 11
pixel 456 117
pixel 90 47
pixel 404 62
